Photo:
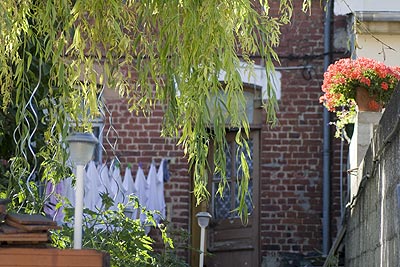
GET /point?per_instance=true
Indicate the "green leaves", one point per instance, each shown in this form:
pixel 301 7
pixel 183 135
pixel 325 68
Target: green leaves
pixel 111 230
pixel 168 52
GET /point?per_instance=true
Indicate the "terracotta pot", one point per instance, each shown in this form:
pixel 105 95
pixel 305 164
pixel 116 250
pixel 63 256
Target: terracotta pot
pixel 366 102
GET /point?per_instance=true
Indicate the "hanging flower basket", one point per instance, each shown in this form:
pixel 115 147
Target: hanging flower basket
pixel 367 102
pixel 361 84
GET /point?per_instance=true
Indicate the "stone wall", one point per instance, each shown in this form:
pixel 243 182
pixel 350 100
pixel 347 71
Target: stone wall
pixel 372 237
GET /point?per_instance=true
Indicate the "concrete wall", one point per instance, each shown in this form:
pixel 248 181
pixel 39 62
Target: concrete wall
pixel 372 237
pixel 380 39
pixel 345 7
pixel 376 28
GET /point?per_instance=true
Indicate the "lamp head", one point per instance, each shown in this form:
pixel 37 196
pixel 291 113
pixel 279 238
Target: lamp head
pixel 203 218
pixel 81 147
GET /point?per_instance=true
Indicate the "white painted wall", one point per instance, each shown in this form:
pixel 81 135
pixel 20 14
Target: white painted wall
pixel 257 76
pixel 368 46
pixel 382 39
pixel 343 7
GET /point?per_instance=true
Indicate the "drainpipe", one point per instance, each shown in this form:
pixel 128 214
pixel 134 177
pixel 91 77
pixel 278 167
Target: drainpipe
pixel 326 186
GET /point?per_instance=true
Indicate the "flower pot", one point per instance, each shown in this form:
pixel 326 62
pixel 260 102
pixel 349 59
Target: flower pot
pixel 366 102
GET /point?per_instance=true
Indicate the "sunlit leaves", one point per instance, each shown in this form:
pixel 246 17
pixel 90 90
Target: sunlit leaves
pixel 110 229
pixel 152 51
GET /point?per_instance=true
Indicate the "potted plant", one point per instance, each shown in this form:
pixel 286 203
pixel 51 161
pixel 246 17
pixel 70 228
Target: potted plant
pixel 352 85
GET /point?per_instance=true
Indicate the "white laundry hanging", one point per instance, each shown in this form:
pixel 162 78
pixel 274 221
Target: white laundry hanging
pixel 104 179
pixel 156 192
pixel 152 181
pixel 130 189
pixel 117 187
pixel 69 190
pixel 160 189
pixel 142 188
pixel 92 187
pixel 105 187
pixel 150 192
pixel 63 192
pixel 54 196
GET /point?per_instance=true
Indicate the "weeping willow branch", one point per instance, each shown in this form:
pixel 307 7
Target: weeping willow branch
pixel 152 51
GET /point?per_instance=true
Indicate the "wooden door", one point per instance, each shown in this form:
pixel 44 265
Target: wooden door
pixel 230 243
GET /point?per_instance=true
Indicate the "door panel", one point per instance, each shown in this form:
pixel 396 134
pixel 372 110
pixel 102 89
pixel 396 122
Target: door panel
pixel 232 258
pixel 230 243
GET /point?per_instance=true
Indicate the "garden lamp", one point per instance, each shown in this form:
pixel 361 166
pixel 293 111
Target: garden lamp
pixel 81 148
pixel 203 218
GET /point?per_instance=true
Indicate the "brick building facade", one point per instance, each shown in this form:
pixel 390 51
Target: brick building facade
pixel 290 154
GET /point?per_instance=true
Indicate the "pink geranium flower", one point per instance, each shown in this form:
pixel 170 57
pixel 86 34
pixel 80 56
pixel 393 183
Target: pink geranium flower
pixel 343 78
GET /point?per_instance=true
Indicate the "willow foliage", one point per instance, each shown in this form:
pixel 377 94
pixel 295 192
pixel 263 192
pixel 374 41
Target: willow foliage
pixel 150 51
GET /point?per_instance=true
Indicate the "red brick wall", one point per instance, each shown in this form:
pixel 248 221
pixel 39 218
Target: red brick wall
pixel 291 157
pixel 139 142
pixel 291 153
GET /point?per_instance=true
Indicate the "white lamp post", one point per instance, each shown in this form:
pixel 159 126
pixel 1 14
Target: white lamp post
pixel 203 218
pixel 81 147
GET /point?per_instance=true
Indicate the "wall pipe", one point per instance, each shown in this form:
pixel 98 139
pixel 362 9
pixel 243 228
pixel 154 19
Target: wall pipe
pixel 326 186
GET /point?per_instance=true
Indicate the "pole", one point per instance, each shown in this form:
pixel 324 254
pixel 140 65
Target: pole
pixel 78 207
pixel 326 181
pixel 202 234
